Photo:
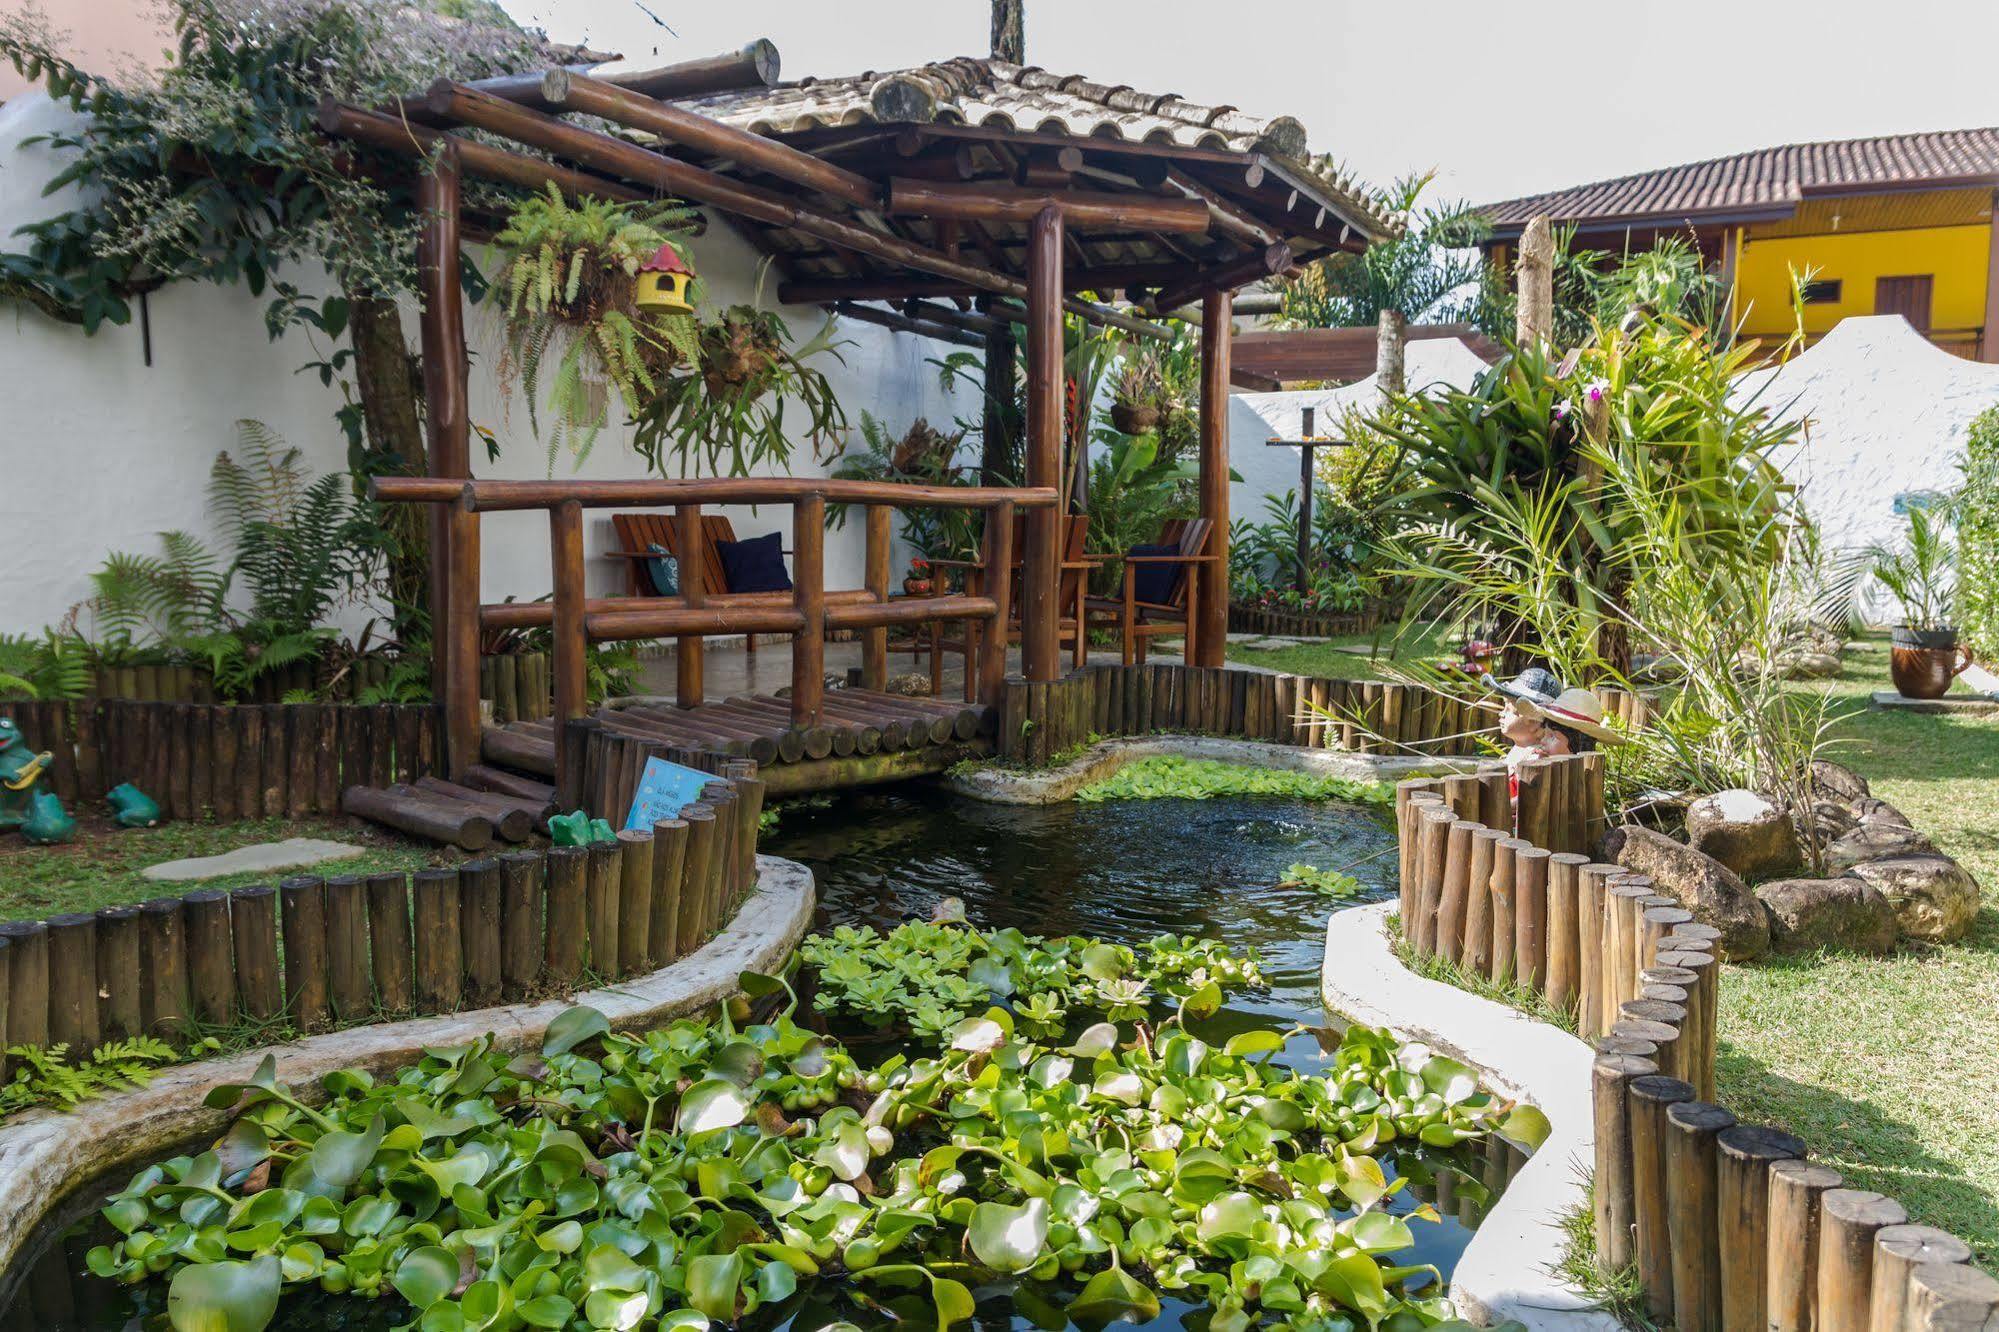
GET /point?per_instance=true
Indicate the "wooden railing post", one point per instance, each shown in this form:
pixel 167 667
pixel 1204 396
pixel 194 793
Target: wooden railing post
pixel 1039 573
pixel 687 650
pixel 997 557
pixel 808 596
pixel 874 641
pixel 571 687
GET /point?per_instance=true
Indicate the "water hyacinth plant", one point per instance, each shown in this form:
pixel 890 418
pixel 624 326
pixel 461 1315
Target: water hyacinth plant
pixel 620 1181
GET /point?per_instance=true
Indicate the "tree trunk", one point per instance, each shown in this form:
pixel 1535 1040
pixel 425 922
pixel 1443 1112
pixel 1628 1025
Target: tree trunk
pixel 1534 320
pixel 1009 31
pixel 391 421
pixel 1391 342
pixel 1000 428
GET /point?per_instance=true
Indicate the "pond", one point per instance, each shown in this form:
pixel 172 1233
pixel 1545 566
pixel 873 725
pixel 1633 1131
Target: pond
pixel 1120 871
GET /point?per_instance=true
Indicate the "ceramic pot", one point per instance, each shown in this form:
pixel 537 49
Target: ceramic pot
pixel 1922 663
pixel 917 587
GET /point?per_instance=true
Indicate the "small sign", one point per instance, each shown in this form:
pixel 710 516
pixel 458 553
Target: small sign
pixel 664 788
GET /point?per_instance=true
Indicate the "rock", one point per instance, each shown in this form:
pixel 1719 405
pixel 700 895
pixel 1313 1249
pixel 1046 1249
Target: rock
pixel 1843 913
pixel 1700 883
pixel 1836 781
pixel 1806 665
pixel 1867 809
pixel 1749 833
pixel 1832 819
pixel 1933 896
pixel 1874 839
pixel 259 858
pixel 910 684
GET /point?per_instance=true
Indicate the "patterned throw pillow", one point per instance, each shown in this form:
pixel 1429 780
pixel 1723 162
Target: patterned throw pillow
pixel 664 570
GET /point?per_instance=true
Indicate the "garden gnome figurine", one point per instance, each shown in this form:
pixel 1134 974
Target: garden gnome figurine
pixel 20 769
pixel 131 807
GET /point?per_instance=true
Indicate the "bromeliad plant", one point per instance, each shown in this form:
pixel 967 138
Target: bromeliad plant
pixel 618 1181
pixel 571 285
pixel 929 977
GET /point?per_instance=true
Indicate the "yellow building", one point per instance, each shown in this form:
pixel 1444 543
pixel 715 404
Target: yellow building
pixel 1902 224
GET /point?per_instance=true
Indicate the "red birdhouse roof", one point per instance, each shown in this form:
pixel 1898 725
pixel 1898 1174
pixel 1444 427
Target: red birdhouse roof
pixel 668 260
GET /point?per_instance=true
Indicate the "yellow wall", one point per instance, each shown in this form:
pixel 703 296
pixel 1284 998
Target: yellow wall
pixel 1955 257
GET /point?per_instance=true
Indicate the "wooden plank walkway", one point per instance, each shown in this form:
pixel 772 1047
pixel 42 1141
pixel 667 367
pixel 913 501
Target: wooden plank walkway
pixel 863 737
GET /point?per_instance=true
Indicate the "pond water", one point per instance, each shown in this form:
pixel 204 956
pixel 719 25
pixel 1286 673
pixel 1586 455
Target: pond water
pixel 1123 871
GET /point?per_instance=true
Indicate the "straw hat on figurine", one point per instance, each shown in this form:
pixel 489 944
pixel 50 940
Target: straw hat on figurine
pixel 1577 709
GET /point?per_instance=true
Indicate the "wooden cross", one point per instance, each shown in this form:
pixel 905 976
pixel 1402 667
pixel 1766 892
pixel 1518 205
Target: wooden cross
pixel 1306 444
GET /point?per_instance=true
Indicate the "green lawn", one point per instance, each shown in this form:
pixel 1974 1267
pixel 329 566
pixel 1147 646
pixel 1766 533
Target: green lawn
pixel 1888 1067
pixel 102 868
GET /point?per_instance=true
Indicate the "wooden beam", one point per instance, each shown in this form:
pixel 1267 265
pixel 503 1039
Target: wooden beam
pixel 630 162
pixel 1227 216
pixel 753 66
pixel 654 492
pixel 566 91
pixel 1044 445
pixel 1207 638
pixel 475 158
pixel 991 201
pixel 1252 267
pixel 896 287
pixel 901 323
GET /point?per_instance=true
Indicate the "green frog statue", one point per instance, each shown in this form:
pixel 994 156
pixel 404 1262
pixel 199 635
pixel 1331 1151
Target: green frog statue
pixel 20 770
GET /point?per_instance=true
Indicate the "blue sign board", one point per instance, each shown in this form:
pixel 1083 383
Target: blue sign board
pixel 663 789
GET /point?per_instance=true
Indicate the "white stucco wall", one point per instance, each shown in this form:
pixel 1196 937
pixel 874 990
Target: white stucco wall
pixel 1256 418
pixel 101 451
pixel 1885 415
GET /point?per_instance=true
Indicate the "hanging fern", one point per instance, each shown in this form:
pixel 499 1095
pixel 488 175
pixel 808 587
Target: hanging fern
pixel 570 286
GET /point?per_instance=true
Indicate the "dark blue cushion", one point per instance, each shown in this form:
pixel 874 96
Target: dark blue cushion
pixel 664 570
pixel 1155 582
pixel 755 565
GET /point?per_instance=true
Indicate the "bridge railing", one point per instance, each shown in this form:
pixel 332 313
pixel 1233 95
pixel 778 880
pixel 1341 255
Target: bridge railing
pixel 804 613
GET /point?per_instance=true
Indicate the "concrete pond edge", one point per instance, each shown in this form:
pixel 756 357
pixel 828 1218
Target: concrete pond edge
pixel 1001 785
pixel 1508 1270
pixel 46 1156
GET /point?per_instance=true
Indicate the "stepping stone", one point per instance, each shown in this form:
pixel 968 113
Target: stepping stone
pixel 1273 644
pixel 1244 638
pixel 1960 705
pixel 259 858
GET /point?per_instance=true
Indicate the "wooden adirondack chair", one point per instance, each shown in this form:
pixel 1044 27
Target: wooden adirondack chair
pixel 1072 584
pixel 1138 622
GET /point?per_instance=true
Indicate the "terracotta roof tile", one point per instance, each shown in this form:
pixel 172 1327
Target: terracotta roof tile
pixel 1768 179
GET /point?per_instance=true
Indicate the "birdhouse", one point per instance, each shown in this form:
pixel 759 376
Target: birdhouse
pixel 663 283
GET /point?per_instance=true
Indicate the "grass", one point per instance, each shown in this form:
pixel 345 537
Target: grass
pixel 1338 659
pixel 102 867
pixel 1888 1067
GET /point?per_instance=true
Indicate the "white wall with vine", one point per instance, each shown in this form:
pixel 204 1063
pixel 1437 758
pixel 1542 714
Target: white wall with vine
pixel 100 451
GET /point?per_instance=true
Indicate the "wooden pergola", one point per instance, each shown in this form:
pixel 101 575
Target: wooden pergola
pixel 972 200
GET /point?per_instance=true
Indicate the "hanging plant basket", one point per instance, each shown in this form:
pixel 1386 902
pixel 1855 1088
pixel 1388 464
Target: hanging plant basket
pixel 1135 418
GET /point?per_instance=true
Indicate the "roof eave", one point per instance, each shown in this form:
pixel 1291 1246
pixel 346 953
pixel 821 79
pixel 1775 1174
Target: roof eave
pixel 1683 217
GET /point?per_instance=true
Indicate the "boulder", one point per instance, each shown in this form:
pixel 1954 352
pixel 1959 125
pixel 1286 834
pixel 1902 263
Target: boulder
pixel 1703 885
pixel 1750 833
pixel 1845 913
pixel 1867 809
pixel 1933 896
pixel 1874 839
pixel 1836 781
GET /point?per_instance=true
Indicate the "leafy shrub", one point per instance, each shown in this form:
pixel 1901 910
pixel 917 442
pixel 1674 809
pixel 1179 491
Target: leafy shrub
pixel 1978 537
pixel 46 1075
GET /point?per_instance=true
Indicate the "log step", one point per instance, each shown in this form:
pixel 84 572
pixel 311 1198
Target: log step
pixel 421 814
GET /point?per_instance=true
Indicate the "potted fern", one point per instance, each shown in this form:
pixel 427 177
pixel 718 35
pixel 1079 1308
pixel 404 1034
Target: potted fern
pixel 572 284
pixel 1919 572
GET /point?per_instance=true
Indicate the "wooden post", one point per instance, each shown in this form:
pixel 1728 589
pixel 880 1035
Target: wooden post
pixel 601 906
pixel 1691 1127
pixel 1040 574
pixel 568 919
pixel 1654 1238
pixel 687 650
pixel 454 569
pixel 1791 1252
pixel 1530 914
pixel 1565 930
pixel 389 943
pixel 253 926
pixel 1447 940
pixel 440 950
pixel 302 904
pixel 1955 1296
pixel 808 596
pixel 1475 951
pixel 568 641
pixel 997 556
pixel 669 861
pixel 1534 320
pixel 163 965
pixel 1744 1157
pixel 520 922
pixel 347 946
pixel 1207 638
pixel 874 640
pixel 1848 1220
pixel 1612 1192
pixel 1898 1251
pixel 692 925
pixel 119 984
pixel 634 901
pixel 479 931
